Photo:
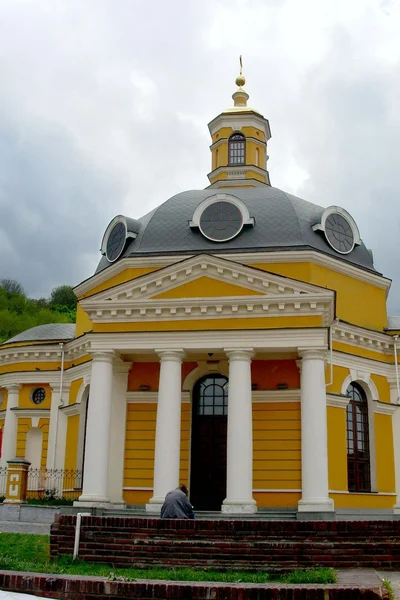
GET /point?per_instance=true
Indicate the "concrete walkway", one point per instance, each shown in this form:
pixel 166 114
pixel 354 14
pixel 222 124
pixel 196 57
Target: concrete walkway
pixel 394 578
pixel 23 527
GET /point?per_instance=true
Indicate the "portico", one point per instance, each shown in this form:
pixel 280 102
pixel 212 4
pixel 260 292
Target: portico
pixel 184 348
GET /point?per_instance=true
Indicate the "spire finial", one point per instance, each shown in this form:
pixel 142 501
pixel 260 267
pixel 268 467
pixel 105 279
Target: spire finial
pixel 240 81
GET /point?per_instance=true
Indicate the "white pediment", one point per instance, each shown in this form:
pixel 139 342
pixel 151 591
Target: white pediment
pixel 139 299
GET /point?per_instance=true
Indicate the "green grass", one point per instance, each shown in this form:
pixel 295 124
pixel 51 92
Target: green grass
pixel 25 552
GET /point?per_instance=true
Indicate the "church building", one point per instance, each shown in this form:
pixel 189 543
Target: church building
pixel 235 339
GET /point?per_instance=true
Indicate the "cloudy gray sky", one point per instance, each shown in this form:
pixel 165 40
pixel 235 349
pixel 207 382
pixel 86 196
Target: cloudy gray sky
pixel 104 106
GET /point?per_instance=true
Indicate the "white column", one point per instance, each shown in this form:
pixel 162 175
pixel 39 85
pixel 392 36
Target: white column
pixel 314 434
pixel 9 445
pixel 95 477
pixel 53 426
pixel 240 435
pixel 118 431
pixel 168 428
pixel 396 439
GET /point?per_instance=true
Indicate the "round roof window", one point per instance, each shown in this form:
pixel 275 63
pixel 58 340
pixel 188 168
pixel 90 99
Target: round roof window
pixel 221 221
pixel 116 242
pixel 339 233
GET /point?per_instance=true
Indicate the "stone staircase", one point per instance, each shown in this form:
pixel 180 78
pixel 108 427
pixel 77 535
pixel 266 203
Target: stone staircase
pixel 273 514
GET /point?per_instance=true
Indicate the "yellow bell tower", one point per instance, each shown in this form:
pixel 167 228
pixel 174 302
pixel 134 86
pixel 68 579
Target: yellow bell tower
pixel 239 144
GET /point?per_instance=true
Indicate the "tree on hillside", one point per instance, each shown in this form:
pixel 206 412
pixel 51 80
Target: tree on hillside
pixel 12 286
pixel 63 295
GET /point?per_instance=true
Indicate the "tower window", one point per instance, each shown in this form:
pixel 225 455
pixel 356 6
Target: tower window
pixel 237 146
pixel 358 461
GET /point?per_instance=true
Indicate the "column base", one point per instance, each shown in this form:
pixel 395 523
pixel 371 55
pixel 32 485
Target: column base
pixel 92 501
pixel 396 509
pixel 316 505
pixel 239 507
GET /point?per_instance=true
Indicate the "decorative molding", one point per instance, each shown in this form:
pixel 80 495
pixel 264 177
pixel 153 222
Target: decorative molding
pixel 245 258
pixel 385 408
pixel 276 396
pixel 362 493
pixel 362 338
pixel 71 409
pixel 30 413
pixel 270 340
pixel 353 361
pixel 276 490
pixel 337 401
pixel 365 380
pixel 150 397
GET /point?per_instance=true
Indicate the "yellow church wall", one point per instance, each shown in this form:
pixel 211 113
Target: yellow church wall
pixel 4 398
pixel 29 366
pixel 185 443
pixel 358 302
pixel 71 454
pixel 277 499
pixel 254 175
pixel 354 500
pixel 206 287
pixel 385 478
pixel 139 446
pixel 337 448
pixel 23 426
pixel 25 396
pixel 383 387
pixel 354 350
pixel 212 324
pixel 74 389
pixel 339 375
pixel 276 446
pixel 83 323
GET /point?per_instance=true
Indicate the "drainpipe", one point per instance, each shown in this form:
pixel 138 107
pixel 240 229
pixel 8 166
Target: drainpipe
pixel 331 352
pixel 78 533
pixel 396 364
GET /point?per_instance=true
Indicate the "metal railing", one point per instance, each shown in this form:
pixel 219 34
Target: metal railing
pixel 54 484
pixel 3 481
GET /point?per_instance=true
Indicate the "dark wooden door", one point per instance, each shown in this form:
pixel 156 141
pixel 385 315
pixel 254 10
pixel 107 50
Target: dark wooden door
pixel 208 448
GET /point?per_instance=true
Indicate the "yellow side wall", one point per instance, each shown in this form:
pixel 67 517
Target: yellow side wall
pixel 3 398
pixel 385 478
pixel 139 448
pixel 337 448
pixel 74 389
pixel 277 447
pixel 72 442
pixel 185 443
pixel 206 287
pixel 25 396
pixel 22 429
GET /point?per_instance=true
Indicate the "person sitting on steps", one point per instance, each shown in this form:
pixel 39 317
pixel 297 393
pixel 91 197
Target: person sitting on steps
pixel 176 505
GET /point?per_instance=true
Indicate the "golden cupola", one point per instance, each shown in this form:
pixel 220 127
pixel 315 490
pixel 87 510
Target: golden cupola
pixel 239 143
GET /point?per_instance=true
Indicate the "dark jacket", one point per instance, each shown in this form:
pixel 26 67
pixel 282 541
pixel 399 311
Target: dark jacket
pixel 177 506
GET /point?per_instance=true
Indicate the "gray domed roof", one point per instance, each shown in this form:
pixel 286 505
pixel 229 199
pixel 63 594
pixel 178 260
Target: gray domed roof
pixel 44 333
pixel 282 222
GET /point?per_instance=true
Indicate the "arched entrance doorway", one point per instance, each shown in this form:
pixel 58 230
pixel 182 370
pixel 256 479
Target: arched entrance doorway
pixel 208 448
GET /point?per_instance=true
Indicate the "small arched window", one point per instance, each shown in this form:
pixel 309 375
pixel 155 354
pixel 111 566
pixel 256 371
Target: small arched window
pixel 358 455
pixel 237 149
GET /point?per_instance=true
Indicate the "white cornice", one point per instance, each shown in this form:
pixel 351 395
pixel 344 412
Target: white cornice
pixel 245 258
pixel 362 338
pixel 360 363
pixel 276 295
pixel 236 121
pixel 29 413
pixel 150 397
pixel 71 409
pixel 337 401
pixel 276 396
pixel 30 377
pixel 382 408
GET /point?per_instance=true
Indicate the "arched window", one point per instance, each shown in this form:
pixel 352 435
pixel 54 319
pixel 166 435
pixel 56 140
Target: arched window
pixel 358 458
pixel 237 147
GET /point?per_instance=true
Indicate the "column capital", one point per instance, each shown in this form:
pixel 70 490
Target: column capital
pixel 122 367
pixel 13 388
pixel 313 353
pixel 170 355
pixel 103 356
pixel 239 353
